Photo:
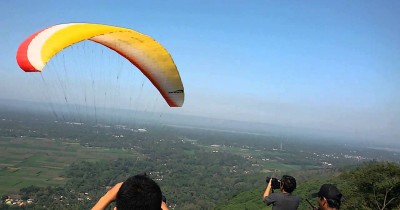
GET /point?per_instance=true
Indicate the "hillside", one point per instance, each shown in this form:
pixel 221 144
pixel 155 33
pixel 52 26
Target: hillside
pixel 357 186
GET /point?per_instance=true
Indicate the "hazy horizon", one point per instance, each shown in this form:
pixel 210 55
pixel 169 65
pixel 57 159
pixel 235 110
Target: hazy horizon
pixel 313 67
pixel 115 116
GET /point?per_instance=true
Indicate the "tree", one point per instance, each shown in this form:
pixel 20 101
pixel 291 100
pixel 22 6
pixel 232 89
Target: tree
pixel 376 183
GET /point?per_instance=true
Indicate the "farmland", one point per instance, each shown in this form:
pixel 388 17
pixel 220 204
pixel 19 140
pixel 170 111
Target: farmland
pixel 38 161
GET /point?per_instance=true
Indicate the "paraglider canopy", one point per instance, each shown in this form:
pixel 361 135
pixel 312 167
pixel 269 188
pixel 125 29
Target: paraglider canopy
pixel 150 57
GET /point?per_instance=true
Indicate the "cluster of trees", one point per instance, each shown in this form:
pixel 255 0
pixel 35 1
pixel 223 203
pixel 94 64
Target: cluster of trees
pixel 373 185
pixel 90 180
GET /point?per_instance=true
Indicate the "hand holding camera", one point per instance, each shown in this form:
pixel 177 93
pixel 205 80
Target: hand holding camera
pixel 275 183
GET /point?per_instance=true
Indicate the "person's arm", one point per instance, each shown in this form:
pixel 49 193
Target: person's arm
pixel 108 198
pixel 268 190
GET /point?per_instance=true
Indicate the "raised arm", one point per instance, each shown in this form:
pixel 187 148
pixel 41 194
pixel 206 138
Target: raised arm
pixel 268 190
pixel 108 198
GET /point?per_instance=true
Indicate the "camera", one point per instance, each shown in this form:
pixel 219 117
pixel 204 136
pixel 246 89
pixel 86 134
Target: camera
pixel 275 184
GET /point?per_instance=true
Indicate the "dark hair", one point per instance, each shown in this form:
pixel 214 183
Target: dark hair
pixel 140 193
pixel 288 183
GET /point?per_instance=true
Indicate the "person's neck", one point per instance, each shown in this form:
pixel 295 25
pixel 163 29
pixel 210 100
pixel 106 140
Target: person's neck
pixel 329 208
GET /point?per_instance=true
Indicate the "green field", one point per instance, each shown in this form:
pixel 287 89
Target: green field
pixel 40 162
pixel 272 165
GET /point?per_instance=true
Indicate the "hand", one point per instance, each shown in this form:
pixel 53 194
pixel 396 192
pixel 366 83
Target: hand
pixel 108 198
pixel 164 206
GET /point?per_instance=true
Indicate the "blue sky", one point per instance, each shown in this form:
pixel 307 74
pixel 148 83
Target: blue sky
pixel 327 65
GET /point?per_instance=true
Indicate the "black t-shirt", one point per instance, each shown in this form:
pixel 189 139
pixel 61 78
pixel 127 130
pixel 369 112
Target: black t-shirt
pixel 282 201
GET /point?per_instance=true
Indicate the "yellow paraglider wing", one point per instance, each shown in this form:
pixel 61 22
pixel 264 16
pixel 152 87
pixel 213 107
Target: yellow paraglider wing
pixel 150 57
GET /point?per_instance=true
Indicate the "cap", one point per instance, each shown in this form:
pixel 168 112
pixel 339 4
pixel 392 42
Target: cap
pixel 329 191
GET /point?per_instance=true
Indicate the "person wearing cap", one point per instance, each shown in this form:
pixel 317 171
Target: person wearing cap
pixel 283 200
pixel 329 197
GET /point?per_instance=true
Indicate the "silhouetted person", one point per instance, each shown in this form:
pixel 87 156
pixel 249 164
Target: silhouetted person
pixel 329 197
pixel 137 192
pixel 283 200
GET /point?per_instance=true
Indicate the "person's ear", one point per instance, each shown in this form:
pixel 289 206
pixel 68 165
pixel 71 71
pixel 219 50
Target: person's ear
pixel 324 201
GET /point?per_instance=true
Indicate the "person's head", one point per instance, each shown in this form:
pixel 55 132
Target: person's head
pixel 140 193
pixel 329 197
pixel 288 183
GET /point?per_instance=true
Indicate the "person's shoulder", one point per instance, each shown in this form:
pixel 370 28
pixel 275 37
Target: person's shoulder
pixel 276 194
pixel 292 197
pixel 296 198
pixel 272 198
